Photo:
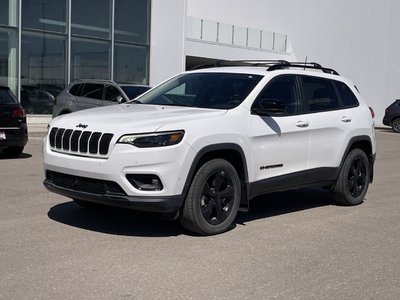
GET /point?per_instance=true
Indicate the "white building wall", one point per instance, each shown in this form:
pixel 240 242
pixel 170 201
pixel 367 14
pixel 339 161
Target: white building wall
pixel 167 39
pixel 358 38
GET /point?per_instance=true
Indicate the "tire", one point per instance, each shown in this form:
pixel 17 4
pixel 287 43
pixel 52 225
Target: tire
pixel 353 181
pixel 13 151
pixel 396 125
pixel 213 199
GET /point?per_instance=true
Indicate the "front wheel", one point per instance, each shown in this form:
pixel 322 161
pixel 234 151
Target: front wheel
pixel 353 181
pixel 396 125
pixel 213 198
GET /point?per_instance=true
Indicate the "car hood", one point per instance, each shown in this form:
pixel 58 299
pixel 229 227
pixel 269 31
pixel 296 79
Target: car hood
pixel 131 118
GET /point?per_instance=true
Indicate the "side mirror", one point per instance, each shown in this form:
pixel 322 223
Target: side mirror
pixel 120 99
pixel 268 106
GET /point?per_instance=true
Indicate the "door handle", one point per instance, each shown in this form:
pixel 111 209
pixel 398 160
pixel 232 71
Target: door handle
pixel 345 119
pixel 302 124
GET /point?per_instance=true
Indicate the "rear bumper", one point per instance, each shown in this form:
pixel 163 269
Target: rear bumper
pixel 160 204
pixel 14 137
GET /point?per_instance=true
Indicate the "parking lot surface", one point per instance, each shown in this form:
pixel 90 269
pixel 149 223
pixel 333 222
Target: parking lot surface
pixel 290 245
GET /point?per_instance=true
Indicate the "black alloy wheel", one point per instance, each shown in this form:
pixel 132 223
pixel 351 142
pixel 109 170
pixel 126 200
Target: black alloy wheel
pixel 213 198
pixel 353 181
pixel 217 197
pixel 357 178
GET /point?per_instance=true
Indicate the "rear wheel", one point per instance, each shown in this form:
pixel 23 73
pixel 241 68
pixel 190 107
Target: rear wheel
pixel 13 151
pixel 396 125
pixel 213 198
pixel 353 181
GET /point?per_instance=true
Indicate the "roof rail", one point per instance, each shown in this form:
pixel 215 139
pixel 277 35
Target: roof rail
pixel 304 65
pixel 270 64
pixel 241 63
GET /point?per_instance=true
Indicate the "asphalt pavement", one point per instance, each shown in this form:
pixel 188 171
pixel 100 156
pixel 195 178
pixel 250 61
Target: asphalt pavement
pixel 290 245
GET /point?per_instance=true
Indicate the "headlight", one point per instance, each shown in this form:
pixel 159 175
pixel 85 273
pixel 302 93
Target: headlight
pixel 148 140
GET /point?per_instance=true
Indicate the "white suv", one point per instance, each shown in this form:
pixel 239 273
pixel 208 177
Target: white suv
pixel 205 142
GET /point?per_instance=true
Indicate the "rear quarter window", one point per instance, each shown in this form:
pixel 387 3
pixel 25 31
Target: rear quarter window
pixel 348 97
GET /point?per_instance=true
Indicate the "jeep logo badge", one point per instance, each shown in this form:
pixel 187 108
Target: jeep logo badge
pixel 80 125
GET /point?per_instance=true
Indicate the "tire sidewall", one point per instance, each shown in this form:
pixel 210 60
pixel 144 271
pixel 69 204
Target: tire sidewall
pixel 353 155
pixel 196 191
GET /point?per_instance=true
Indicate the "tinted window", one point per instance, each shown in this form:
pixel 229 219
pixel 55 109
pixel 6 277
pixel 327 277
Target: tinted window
pixel 91 90
pixel 282 91
pixel 7 97
pixel 348 98
pixel 319 93
pixel 112 93
pixel 133 91
pixel 76 89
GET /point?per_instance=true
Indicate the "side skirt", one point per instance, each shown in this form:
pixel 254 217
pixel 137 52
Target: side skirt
pixel 315 177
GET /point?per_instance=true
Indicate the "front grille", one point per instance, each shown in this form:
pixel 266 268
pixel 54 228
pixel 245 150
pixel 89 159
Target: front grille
pixel 83 184
pixel 80 142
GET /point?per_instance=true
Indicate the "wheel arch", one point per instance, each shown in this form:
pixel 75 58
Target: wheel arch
pixel 232 153
pixel 363 143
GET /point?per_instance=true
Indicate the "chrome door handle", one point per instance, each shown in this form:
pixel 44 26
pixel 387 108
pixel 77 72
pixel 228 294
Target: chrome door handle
pixel 345 119
pixel 302 124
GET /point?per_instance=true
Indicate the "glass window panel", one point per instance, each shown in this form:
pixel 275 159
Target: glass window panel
pixel 8 58
pixel 131 21
pixel 90 59
pixel 8 12
pixel 130 63
pixel 49 15
pixel 267 40
pixel 91 18
pixel 240 36
pixel 209 31
pixel 280 42
pixel 42 71
pixel 193 28
pixel 225 33
pixel 254 38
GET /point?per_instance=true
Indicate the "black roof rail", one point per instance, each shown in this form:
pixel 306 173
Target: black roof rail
pixel 270 64
pixel 304 65
pixel 241 63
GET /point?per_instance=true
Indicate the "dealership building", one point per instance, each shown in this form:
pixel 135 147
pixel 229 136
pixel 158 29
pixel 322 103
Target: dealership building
pixel 45 44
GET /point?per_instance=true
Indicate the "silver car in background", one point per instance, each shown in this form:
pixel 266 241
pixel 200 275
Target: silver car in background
pixel 91 93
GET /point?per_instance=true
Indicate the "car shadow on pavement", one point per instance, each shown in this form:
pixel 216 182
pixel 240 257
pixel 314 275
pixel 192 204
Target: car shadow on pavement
pixel 21 156
pixel 279 203
pixel 112 220
pixel 117 221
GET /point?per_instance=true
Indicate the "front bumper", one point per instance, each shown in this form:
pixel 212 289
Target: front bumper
pixel 160 204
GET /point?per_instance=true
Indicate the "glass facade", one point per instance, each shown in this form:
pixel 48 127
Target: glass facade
pixel 45 44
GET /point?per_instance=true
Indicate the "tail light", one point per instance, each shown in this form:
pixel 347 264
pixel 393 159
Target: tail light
pixel 372 112
pixel 18 113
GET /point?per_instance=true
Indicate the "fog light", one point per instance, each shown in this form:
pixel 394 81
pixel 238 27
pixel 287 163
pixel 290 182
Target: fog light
pixel 145 182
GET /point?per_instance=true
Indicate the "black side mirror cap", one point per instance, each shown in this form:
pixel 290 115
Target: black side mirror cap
pixel 267 107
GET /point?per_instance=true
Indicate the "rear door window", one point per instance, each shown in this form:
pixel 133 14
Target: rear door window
pixel 319 94
pixel 93 90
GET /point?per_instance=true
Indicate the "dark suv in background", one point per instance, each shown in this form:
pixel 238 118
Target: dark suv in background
pixel 91 93
pixel 13 128
pixel 392 116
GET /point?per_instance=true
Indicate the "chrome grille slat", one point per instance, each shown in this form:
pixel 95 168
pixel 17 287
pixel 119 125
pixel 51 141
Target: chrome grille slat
pixel 79 142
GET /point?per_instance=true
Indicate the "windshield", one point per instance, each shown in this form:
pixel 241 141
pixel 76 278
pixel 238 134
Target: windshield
pixel 133 91
pixel 6 96
pixel 205 90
